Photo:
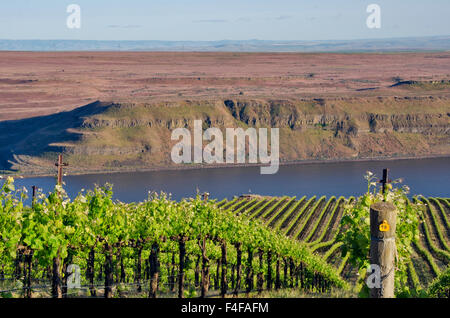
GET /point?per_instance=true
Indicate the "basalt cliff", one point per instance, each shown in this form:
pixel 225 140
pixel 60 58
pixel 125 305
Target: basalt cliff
pixel 127 136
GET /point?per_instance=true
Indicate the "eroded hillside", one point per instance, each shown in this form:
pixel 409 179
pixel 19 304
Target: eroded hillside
pixel 105 136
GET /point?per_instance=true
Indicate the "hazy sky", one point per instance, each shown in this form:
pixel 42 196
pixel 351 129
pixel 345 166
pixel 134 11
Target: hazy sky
pixel 222 19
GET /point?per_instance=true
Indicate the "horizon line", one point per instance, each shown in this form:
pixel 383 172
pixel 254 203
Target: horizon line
pixel 230 40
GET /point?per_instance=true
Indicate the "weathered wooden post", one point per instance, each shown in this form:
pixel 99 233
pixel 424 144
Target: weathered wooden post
pixel 384 182
pixel 382 248
pixel 56 281
pixel 33 200
pixel 60 164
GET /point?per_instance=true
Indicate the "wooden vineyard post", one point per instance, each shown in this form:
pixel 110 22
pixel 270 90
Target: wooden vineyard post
pixel 33 200
pixel 60 164
pixel 382 248
pixel 56 280
pixel 384 182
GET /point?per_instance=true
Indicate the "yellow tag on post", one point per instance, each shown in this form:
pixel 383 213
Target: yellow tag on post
pixel 384 227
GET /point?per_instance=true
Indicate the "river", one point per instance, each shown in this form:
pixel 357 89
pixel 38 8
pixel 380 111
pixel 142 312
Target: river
pixel 430 177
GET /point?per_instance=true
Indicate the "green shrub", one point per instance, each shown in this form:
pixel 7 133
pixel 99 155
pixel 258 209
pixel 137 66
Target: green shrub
pixel 440 287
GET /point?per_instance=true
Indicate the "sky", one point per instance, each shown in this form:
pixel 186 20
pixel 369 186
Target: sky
pixel 210 20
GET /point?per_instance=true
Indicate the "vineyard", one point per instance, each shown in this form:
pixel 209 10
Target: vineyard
pixel 316 222
pixel 94 246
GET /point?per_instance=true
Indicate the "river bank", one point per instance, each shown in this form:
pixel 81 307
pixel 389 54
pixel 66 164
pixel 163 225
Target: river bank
pixel 214 166
pixel 429 177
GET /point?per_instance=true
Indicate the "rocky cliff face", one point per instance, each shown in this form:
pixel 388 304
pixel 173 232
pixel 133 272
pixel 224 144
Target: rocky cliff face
pixel 288 114
pixel 131 136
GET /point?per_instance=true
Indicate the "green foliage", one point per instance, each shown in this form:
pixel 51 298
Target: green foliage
pixel 54 226
pixel 281 221
pixel 300 213
pixel 324 232
pixel 319 218
pixel 440 287
pixel 356 227
pixel 10 218
pixel 300 228
pixel 442 253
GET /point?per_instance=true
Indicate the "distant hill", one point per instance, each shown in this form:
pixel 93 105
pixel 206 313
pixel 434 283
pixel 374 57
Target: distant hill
pixel 107 136
pixel 434 43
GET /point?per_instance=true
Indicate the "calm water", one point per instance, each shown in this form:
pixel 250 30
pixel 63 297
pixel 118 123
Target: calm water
pixel 430 177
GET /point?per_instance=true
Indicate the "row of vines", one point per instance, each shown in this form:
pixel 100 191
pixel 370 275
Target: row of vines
pixel 158 247
pixel 319 224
